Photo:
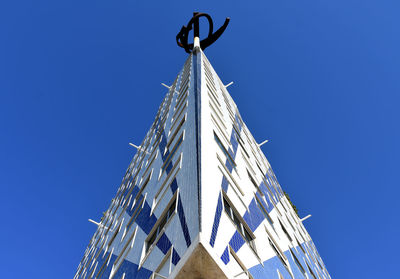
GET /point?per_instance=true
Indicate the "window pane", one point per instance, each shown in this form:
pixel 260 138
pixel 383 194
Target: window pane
pixel 151 240
pixel 238 223
pixel 162 224
pixel 164 269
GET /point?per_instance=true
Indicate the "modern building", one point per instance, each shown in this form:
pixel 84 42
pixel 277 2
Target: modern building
pixel 199 199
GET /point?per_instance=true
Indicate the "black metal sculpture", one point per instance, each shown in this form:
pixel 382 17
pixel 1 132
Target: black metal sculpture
pixel 182 37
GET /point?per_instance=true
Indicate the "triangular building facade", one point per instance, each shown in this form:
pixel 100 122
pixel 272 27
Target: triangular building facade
pixel 199 199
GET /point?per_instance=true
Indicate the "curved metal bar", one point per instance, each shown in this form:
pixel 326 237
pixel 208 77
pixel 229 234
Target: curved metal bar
pixel 182 36
pixel 211 39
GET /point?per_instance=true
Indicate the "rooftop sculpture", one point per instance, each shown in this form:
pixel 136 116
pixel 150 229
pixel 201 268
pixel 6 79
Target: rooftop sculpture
pixel 182 37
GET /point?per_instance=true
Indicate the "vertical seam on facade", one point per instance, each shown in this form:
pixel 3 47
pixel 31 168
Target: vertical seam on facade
pixel 197 93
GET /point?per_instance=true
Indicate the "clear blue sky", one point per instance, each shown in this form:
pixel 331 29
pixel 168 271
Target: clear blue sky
pixel 81 79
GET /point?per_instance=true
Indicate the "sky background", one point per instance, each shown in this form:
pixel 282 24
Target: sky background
pixel 81 79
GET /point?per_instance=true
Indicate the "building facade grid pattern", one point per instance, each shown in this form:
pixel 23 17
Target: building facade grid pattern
pixel 199 176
